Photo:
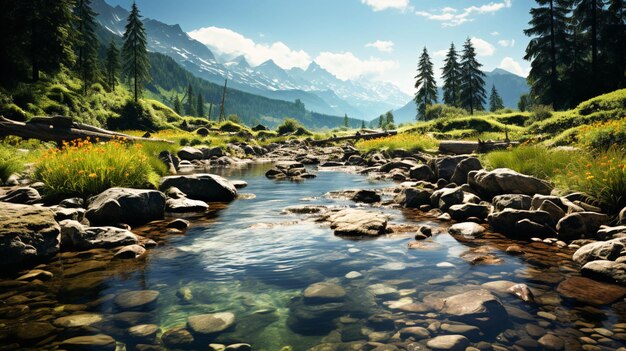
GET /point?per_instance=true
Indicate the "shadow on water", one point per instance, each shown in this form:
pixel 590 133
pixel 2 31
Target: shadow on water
pixel 249 258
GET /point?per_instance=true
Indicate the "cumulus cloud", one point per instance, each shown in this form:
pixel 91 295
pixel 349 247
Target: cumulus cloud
pixel 451 17
pixel 344 65
pixel 229 42
pixel 483 47
pixel 381 45
pixel 495 34
pixel 380 5
pixel 506 43
pixel 440 53
pixel 509 64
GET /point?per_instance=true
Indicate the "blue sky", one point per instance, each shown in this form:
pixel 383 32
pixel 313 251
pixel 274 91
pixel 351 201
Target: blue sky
pixel 378 39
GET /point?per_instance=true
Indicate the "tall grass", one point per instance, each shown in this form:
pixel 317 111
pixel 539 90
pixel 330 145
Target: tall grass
pixel 535 160
pixel 82 168
pixel 11 162
pixel 410 142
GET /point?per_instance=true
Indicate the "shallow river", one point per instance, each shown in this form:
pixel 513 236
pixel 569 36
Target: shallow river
pixel 251 259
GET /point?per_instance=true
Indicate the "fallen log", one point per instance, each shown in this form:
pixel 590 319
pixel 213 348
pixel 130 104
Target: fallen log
pixel 59 129
pixel 460 147
pixel 355 137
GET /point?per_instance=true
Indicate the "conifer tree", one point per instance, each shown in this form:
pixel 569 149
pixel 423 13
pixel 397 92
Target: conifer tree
pixel 86 42
pixel 473 94
pixel 135 54
pixel 389 119
pixel 425 83
pixel 112 65
pixel 177 107
pixel 346 121
pixel 381 122
pixel 548 32
pixel 495 101
pixel 362 124
pixel 190 107
pixel 200 108
pixel 451 74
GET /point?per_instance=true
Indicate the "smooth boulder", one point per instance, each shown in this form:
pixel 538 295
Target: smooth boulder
pixel 126 205
pixel 580 225
pixel 506 181
pixel 209 324
pixel 205 187
pixel 351 222
pixel 602 250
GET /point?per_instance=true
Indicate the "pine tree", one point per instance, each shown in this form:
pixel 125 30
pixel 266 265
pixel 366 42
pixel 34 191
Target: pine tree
pixel 451 74
pixel 112 65
pixel 614 37
pixel 473 94
pixel 389 122
pixel 177 107
pixel 381 122
pixel 425 83
pixel 362 124
pixel 546 49
pixel 346 121
pixel 190 107
pixel 134 53
pixel 495 101
pixel 86 42
pixel 588 16
pixel 200 108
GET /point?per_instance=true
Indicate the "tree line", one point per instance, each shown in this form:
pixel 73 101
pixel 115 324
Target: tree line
pixel 42 36
pixel 577 50
pixel 463 82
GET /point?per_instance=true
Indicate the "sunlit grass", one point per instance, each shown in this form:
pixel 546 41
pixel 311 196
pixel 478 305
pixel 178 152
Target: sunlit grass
pixel 410 142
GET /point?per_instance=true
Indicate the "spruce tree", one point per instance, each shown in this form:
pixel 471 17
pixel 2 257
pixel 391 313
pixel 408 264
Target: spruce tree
pixel 389 122
pixel 362 124
pixel 546 49
pixel 190 107
pixel 177 106
pixel 614 37
pixel 381 122
pixel 112 65
pixel 135 54
pixel 86 42
pixel 200 108
pixel 473 94
pixel 451 74
pixel 588 16
pixel 346 121
pixel 495 101
pixel 425 83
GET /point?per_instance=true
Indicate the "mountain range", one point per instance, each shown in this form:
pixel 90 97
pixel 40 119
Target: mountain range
pixel 510 87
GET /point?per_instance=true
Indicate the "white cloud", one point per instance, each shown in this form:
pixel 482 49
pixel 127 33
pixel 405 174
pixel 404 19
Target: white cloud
pixel 379 5
pixel 506 43
pixel 228 42
pixel 483 47
pixel 451 17
pixel 344 65
pixel 381 45
pixel 440 53
pixel 509 64
pixel 495 34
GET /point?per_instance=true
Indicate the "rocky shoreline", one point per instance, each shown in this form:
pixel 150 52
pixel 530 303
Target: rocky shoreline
pixel 456 191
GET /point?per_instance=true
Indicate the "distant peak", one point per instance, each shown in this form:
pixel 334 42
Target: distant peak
pixel 269 63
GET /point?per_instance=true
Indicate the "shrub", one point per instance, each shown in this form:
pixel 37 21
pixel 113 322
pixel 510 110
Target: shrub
pixel 603 135
pixel 612 101
pixel 134 115
pixel 82 168
pixel 541 112
pixel 183 141
pixel 10 162
pixel 230 127
pixel 195 141
pixel 443 111
pixel 535 160
pixel 288 126
pixel 410 142
pixel 301 131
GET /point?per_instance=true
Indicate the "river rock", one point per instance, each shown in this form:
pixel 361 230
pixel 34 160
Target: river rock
pixel 189 153
pixel 23 195
pixel 551 342
pixel 130 252
pixel 467 229
pixel 555 211
pixel 125 205
pixel 366 196
pixel 447 197
pixel 28 234
pixel 417 333
pixel 611 271
pixel 184 205
pixel 445 166
pixel 463 168
pixel 601 250
pixel 508 220
pixel 448 343
pixel 476 307
pixel 422 172
pixel 591 291
pixel 98 342
pixel 78 320
pixel 323 293
pixel 32 332
pixel 209 324
pixel 143 333
pixel 139 300
pixel 352 222
pixel 80 237
pixel 178 338
pixel 513 201
pixel 522 291
pixel 205 187
pixel 36 274
pixel 506 181
pixel 413 197
pixel 403 164
pixel 464 211
pixel 580 224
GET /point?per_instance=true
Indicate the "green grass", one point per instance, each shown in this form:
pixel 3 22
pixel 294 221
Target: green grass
pixel 406 141
pixel 85 169
pixel 11 162
pixel 535 160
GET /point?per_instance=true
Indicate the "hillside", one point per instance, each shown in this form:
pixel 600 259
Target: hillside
pixel 510 87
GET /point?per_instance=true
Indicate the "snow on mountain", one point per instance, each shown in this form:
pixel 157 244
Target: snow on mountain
pixel 359 98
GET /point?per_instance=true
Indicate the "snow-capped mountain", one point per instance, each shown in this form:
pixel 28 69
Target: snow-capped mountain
pixel 317 88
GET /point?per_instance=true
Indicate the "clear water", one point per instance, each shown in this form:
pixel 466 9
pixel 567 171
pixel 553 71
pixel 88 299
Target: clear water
pixel 251 259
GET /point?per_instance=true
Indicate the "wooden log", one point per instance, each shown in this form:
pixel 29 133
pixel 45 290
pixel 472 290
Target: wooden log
pixel 355 137
pixel 460 147
pixel 43 131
